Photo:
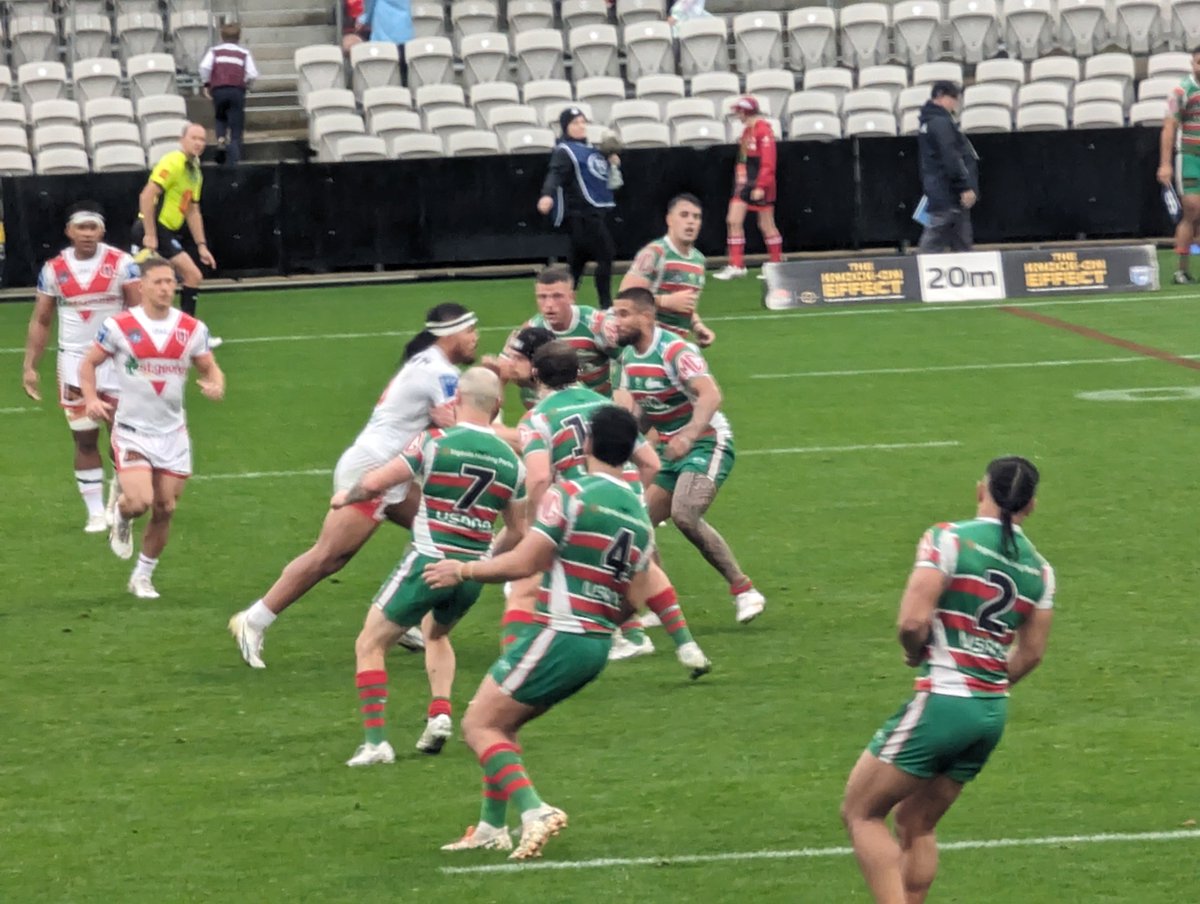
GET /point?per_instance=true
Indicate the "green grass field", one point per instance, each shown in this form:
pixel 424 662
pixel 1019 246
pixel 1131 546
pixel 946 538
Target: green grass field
pixel 144 762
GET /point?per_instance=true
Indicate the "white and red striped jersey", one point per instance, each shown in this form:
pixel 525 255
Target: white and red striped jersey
pixel 152 359
pixel 425 381
pixel 86 291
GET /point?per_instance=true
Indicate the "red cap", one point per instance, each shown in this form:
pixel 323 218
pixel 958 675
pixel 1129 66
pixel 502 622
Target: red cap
pixel 746 104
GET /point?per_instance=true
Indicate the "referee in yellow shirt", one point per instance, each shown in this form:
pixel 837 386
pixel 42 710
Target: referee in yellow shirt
pixel 170 199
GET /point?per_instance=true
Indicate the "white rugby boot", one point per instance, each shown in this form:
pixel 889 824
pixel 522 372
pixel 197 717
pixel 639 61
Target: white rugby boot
pixel 141 586
pixel 437 731
pixel 412 640
pixel 536 829
pixel 373 755
pixel 730 272
pixel 748 605
pixel 96 524
pixel 692 657
pixel 249 640
pixel 482 837
pixel 623 648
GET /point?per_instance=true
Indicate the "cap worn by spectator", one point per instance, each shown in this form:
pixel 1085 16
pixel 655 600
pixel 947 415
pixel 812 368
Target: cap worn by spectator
pixel 944 88
pixel 746 105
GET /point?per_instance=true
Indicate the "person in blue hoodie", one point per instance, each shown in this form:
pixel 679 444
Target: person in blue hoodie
pixel 389 21
pixel 578 195
pixel 949 173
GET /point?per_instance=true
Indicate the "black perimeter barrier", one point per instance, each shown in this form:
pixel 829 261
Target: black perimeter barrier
pixel 854 193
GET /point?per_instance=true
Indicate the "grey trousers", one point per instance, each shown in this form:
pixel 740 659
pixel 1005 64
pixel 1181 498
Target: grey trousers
pixel 948 230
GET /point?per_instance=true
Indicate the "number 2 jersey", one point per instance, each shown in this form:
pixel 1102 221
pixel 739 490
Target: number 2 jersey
pixel 468 476
pixel 603 537
pixel 988 597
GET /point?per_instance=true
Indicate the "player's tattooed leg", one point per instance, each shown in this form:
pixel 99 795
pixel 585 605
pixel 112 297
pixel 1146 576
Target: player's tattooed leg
pixel 694 493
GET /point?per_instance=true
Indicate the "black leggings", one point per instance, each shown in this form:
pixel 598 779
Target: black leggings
pixel 591 241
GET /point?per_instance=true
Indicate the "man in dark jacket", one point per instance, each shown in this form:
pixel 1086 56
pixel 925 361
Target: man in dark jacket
pixel 577 195
pixel 949 173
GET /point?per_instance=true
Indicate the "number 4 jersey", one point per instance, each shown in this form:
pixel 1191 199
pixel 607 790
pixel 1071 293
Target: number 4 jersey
pixel 988 597
pixel 603 537
pixel 468 475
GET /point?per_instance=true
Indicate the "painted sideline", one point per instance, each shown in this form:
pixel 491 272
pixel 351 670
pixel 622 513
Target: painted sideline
pixel 808 853
pixel 945 368
pixel 797 450
pixel 1088 332
pixel 799 316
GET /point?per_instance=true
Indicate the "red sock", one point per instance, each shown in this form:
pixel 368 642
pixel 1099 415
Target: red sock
pixel 439 706
pixel 372 690
pixel 775 248
pixel 666 606
pixel 740 587
pixel 737 251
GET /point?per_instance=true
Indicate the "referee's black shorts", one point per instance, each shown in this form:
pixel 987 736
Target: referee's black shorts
pixel 170 241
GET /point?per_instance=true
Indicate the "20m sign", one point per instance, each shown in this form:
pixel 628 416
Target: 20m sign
pixel 968 276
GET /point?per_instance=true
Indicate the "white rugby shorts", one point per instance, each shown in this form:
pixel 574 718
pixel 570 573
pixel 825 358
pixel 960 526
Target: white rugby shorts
pixel 167 452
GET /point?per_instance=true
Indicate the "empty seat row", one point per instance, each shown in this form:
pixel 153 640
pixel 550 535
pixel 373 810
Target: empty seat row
pixel 474 16
pixel 149 74
pixel 35 38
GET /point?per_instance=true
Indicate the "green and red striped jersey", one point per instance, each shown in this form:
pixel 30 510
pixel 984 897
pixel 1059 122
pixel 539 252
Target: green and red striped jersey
pixel 1183 103
pixel 603 537
pixel 988 597
pixel 658 382
pixel 559 424
pixel 468 475
pixel 670 270
pixel 594 346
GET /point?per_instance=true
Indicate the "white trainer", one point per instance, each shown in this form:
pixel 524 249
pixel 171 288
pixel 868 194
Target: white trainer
pixel 546 822
pixel 215 342
pixel 749 604
pixel 623 648
pixel 141 587
pixel 437 730
pixel 373 755
pixel 482 837
pixel 412 640
pixel 96 524
pixel 650 620
pixel 692 657
pixel 249 640
pixel 730 272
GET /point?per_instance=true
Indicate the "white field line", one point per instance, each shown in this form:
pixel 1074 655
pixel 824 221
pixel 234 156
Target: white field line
pixel 16 410
pixel 944 368
pixel 797 450
pixel 808 853
pixel 733 318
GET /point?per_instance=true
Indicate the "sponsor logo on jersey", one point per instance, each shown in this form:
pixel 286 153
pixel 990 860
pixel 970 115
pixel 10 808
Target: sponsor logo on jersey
pixel 132 365
pixel 550 509
pixel 689 366
pixel 181 336
pixel 135 336
pixel 107 271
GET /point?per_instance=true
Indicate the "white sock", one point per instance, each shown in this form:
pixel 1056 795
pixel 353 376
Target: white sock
pixel 145 566
pixel 259 616
pixel 91 487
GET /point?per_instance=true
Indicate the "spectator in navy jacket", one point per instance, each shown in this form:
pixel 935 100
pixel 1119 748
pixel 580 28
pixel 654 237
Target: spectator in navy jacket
pixel 227 72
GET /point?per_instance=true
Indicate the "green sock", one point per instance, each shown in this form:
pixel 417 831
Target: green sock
pixel 503 769
pixel 666 606
pixel 632 631
pixel 495 805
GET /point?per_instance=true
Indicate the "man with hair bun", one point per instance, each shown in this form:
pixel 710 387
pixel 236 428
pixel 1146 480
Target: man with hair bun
pixel 84 285
pixel 469 478
pixel 974 620
pixel 416 398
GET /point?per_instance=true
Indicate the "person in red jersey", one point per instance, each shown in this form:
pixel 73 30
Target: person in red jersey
pixel 753 189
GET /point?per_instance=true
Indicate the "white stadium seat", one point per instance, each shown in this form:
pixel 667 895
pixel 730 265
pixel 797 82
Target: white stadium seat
pixel 161 106
pixel 1041 118
pixel 812 37
pixel 327 101
pixel 34 38
pixel 552 110
pixel 645 135
pixel 390 123
pixel 41 81
pixel 864 34
pixel 758 40
pixel 928 73
pixel 912 99
pixel 1097 114
pixel 698 133
pixel 631 12
pixel 91 36
pixel 472 143
pixel 1099 89
pixel 62 161
pixel 719 87
pixel 417 146
pixel 910 122
pixel 871 125
pixel 374 64
pixel 633 112
pixel 140 33
pixel 150 74
pixel 329 130
pixel 15 163
pixel 94 78
pixel 353 148
pixel 1157 88
pixel 539 54
pixel 703 46
pixel 1175 65
pixel 689 109
pixel 1149 112
pixel 486 96
pixel 917 30
pixel 163 131
pixel 661 89
pixel 485 58
pixel 867 100
pixel 986 94
pixel 385 99
pixel 1007 72
pixel 544 93
pixel 429 20
pixel 449 120
pixel 47 137
pixel 1139 25
pixel 529 15
pixel 815 127
pixel 772 86
pixel 1183 25
pixel 438 97
pixel 59 112
pixel 510 118
pixel 6 83
pixel 649 49
pixel 528 141
pixel 1083 26
pixel 1043 93
pixel 318 66
pixel 119 158
pixel 1064 71
pixel 593 51
pixel 983 120
pixel 191 33
pixel 430 61
pixel 974 29
pixel 1028 28
pixel 13 138
pixel 584 12
pixel 473 17
pixel 833 81
pixel 1119 66
pixel 601 92
pixel 892 79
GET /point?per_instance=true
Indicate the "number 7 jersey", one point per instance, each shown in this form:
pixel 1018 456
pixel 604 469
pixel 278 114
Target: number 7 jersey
pixel 468 476
pixel 988 597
